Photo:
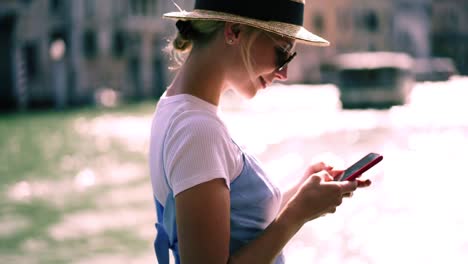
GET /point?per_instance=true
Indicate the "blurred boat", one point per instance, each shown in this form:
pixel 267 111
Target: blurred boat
pixel 373 79
pixel 434 69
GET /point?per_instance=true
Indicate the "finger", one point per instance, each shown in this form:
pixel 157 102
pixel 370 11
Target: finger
pixel 363 183
pixel 316 168
pixel 325 175
pixel 348 186
pixel 316 179
pixel 336 174
pixel 348 195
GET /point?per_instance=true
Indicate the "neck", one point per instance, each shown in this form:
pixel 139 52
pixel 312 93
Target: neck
pixel 202 75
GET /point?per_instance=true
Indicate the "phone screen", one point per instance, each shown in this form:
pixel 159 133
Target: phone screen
pixel 361 166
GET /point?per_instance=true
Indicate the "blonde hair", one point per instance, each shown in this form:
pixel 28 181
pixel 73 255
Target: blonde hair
pixel 200 32
pixel 197 31
pixel 253 34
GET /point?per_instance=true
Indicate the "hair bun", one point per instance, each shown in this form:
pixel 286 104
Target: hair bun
pixel 186 29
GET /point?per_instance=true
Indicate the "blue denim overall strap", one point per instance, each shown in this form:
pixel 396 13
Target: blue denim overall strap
pixel 166 237
pixel 255 203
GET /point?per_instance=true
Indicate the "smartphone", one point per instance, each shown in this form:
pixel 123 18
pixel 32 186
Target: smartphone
pixel 357 169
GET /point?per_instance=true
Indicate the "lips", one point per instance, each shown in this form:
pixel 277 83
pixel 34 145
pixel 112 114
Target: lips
pixel 263 82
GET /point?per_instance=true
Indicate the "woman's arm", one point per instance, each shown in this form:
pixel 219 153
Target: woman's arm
pixel 202 217
pixel 203 228
pixel 203 220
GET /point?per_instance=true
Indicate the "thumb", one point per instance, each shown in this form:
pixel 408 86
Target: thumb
pixel 315 178
pixel 348 186
pixel 316 168
pixel 325 175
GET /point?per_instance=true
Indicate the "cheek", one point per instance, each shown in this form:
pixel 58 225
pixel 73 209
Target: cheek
pixel 265 63
pixel 263 59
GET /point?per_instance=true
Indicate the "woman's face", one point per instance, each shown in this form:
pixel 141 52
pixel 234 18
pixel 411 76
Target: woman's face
pixel 269 55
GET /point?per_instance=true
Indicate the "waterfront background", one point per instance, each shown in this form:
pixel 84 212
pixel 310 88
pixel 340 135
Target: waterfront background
pixel 79 80
pixel 64 53
pixel 75 185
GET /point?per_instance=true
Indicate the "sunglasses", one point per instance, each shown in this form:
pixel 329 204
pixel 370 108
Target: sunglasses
pixel 283 57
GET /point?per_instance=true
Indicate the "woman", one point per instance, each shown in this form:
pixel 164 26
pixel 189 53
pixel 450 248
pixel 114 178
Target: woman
pixel 214 202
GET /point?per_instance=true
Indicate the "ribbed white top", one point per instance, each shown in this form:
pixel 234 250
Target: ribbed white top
pixel 189 145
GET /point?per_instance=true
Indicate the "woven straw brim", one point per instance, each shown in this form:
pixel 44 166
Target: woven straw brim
pixel 284 29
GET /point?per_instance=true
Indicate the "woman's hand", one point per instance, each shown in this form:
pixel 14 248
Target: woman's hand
pixel 333 175
pixel 320 193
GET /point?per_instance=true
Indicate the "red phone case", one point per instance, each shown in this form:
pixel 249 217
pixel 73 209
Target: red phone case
pixel 361 166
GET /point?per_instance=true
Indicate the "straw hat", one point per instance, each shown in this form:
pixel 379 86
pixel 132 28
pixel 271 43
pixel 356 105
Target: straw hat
pixel 283 17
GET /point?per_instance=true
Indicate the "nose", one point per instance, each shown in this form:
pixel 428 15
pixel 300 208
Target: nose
pixel 282 74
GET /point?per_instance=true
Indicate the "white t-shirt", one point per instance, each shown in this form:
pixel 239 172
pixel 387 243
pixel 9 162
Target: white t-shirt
pixel 189 145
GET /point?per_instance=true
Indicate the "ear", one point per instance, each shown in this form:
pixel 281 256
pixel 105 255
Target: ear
pixel 231 33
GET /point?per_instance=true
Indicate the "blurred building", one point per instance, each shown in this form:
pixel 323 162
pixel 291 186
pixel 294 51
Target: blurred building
pixel 364 25
pixel 121 46
pixel 450 31
pixel 61 52
pixel 8 16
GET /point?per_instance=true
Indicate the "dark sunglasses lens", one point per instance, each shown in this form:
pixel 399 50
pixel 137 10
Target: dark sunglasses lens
pixel 283 59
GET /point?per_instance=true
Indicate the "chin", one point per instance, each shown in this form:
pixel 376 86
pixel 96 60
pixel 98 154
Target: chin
pixel 248 91
pixel 252 91
pixel 248 94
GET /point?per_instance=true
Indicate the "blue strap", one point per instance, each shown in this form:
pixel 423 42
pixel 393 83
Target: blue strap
pixel 162 243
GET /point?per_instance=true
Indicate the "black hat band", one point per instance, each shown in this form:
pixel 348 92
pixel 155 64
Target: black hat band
pixel 286 11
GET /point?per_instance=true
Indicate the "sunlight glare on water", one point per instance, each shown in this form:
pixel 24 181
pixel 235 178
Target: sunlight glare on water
pixel 84 179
